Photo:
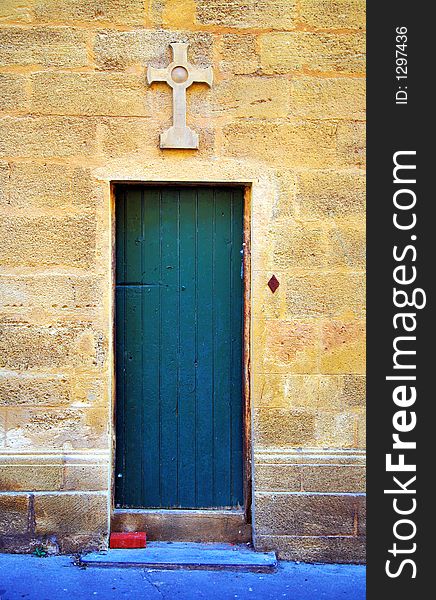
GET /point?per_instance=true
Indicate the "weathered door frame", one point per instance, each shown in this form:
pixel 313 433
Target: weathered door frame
pixel 235 525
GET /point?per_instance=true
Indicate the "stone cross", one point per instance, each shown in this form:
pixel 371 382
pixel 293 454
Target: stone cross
pixel 179 75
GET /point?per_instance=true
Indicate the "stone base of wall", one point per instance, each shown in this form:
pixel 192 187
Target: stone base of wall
pixel 317 549
pixel 58 502
pixel 310 505
pixel 56 522
pixel 53 544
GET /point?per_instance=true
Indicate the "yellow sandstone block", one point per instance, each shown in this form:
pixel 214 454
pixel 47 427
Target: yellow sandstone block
pixel 326 394
pixel 361 429
pixel 318 478
pixel 117 50
pixel 14 514
pixel 283 428
pixel 343 347
pixel 71 513
pixel 316 52
pixel 329 194
pixel 13 96
pixel 86 477
pixel 34 391
pixel 27 346
pixel 291 245
pixel 91 390
pixel 273 390
pixel 305 515
pixel 354 391
pixel 4 181
pixel 48 241
pixel 297 246
pixel 329 295
pixel 2 427
pixel 333 478
pixel 43 137
pixel 238 54
pixel 305 144
pixel 314 392
pixel 16 11
pixel 51 294
pixel 118 12
pixel 59 47
pixel 341 392
pixel 89 94
pixel 316 548
pixel 257 97
pixel 32 185
pixel 351 143
pixel 259 14
pixel 277 478
pixel 309 392
pixel 328 98
pixel 287 347
pixel 335 430
pixel 348 245
pixel 30 478
pixel 179 14
pixel 333 14
pixel 57 429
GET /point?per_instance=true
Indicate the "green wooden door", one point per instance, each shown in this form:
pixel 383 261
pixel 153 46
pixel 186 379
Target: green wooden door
pixel 179 311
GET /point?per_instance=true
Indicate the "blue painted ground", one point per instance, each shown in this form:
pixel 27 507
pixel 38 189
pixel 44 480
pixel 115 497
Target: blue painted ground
pixel 24 577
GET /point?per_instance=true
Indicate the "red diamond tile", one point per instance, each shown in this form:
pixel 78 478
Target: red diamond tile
pixel 273 283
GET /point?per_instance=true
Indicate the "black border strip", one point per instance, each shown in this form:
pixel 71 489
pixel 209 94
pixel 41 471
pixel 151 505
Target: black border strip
pixel 392 128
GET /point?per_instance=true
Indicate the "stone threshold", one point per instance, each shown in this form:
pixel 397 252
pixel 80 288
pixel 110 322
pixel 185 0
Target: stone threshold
pixel 179 525
pixel 186 555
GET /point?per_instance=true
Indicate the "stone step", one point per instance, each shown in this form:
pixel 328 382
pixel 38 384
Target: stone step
pixel 185 555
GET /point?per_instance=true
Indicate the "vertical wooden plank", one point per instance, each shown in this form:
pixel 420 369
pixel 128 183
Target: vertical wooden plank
pixel 236 295
pixel 133 237
pixel 149 454
pixel 120 416
pixel 205 355
pixel 187 352
pixel 120 229
pixel 169 350
pixel 133 396
pixel 222 338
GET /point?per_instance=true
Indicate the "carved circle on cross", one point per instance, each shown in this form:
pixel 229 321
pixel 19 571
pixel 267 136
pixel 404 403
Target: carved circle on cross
pixel 179 74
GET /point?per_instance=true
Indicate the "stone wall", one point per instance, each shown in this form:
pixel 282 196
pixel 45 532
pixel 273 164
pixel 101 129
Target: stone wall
pixel 285 115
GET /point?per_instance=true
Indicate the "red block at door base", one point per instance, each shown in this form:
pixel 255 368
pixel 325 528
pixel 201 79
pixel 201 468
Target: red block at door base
pixel 131 539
